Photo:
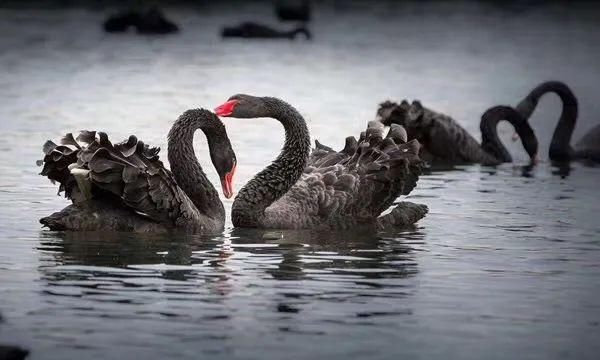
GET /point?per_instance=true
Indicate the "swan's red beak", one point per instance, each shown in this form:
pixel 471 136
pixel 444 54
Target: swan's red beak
pixel 226 109
pixel 227 183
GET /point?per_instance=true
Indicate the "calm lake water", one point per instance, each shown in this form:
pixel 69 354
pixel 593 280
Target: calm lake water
pixel 506 265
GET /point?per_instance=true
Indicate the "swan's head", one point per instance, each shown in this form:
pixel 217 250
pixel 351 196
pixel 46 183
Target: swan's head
pixel 219 147
pixel 225 164
pixel 223 159
pixel 243 106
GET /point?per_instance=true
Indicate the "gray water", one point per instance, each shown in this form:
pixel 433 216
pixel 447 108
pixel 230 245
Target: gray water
pixel 506 265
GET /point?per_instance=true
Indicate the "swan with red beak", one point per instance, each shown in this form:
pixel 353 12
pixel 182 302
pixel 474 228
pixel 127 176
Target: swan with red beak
pixel 227 178
pixel 226 109
pixel 350 188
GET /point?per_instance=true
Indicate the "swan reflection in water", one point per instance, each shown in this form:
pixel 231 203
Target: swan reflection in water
pixel 305 253
pixel 439 168
pixel 113 263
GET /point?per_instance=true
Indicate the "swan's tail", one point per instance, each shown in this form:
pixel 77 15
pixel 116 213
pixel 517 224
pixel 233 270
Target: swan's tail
pixel 403 215
pixel 55 221
pixel 301 30
pixel 74 218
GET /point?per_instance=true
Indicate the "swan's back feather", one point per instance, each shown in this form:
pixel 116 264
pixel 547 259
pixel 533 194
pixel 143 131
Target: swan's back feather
pixel 129 173
pixel 352 186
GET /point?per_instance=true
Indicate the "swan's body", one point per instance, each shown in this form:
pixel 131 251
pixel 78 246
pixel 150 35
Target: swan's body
pixel 326 189
pixel 125 187
pixel 587 148
pixel 443 139
pixel 293 12
pixel 255 30
pixel 151 21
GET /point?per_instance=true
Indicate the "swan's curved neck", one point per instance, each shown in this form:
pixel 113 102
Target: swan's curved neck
pixel 560 145
pixel 187 170
pixel 276 179
pixel 490 141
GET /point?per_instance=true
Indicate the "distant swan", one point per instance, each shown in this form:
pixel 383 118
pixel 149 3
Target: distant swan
pixel 587 148
pixel 255 30
pixel 443 139
pixel 293 12
pixel 151 22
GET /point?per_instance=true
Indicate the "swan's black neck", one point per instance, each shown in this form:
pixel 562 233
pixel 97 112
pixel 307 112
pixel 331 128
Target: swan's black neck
pixel 276 179
pixel 490 142
pixel 560 148
pixel 185 166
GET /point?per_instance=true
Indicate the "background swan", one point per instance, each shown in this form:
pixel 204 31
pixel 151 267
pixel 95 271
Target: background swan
pixel 587 148
pixel 443 139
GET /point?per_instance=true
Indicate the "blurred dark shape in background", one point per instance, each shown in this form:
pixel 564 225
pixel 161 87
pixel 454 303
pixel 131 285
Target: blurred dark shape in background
pixel 256 30
pixel 150 22
pixel 12 353
pixel 286 11
pixel 121 21
pixel 293 11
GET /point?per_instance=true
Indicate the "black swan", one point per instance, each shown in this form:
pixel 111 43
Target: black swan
pixel 125 187
pixel 587 148
pixel 151 22
pixel 293 12
pixel 255 30
pixel 444 140
pixel 326 189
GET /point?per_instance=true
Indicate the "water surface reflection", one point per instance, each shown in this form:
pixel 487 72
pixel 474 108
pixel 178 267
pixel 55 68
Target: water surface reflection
pixel 504 265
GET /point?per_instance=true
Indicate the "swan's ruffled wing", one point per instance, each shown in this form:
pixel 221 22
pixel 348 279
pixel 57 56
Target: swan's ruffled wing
pixel 56 162
pixel 128 173
pixel 357 183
